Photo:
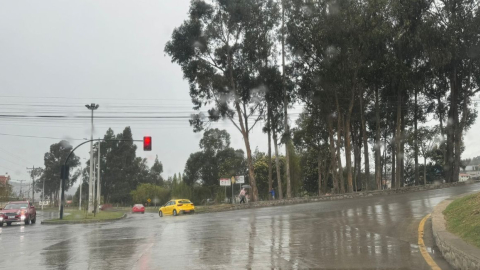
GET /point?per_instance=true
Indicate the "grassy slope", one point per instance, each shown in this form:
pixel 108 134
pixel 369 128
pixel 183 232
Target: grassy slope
pixel 463 218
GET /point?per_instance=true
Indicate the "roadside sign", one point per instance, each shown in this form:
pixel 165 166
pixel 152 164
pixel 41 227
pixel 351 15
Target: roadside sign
pixel 233 180
pixel 44 203
pixel 225 182
pixel 149 201
pixel 240 179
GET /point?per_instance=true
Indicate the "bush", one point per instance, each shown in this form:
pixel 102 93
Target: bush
pixel 182 191
pixel 156 193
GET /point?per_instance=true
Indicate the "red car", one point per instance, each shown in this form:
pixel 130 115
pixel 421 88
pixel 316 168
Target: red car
pixel 22 211
pixel 138 208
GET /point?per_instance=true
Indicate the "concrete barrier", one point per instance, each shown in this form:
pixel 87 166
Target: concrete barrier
pixel 457 252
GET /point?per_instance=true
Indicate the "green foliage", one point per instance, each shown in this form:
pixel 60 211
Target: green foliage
pixel 53 161
pixel 216 160
pixel 157 194
pixel 182 191
pixel 261 174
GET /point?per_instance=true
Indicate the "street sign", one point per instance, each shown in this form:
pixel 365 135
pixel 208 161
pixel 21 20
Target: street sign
pixel 225 182
pixel 240 179
pixel 233 180
pixel 44 203
pixel 149 201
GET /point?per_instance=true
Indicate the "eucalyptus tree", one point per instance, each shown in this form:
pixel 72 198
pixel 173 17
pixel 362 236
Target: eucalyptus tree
pixel 215 48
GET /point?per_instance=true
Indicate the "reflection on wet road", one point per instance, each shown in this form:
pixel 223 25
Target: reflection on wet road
pixel 374 232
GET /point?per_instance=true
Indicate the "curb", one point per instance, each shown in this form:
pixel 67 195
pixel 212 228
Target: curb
pixel 456 252
pixel 86 221
pixel 335 197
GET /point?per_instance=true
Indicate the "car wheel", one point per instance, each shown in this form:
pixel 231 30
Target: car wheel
pixel 1 224
pixel 160 214
pixel 27 221
pixel 175 212
pixel 143 212
pixel 9 223
pixel 34 220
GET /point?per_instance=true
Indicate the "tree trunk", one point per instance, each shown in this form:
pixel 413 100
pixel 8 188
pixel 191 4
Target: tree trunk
pixel 384 176
pixel 277 165
pixel 394 161
pixel 332 155
pixel 251 171
pixel 319 174
pixel 325 177
pixel 402 149
pixel 451 129
pixel 285 105
pixel 358 158
pixel 424 171
pixel 378 173
pixel 355 154
pixel 365 142
pixel 270 169
pixel 398 136
pixel 339 157
pixel 415 121
pixel 348 146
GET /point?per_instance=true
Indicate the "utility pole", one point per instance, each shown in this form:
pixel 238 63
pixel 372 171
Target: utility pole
pixel 21 187
pixel 32 173
pixel 43 193
pixel 91 107
pixel 98 178
pixel 93 188
pixel 81 184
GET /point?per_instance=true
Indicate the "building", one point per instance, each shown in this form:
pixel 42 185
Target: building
pixel 4 179
pixel 472 168
pixel 463 177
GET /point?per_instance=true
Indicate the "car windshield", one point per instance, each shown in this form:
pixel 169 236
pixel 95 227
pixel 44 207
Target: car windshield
pixel 331 128
pixel 16 206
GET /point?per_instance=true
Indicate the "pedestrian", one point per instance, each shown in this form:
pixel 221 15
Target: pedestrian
pixel 242 195
pixel 272 192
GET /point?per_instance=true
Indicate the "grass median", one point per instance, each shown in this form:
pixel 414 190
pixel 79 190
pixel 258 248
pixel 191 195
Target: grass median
pixel 76 216
pixel 463 218
pixel 198 208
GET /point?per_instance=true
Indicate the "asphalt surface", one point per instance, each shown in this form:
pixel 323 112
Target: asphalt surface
pixel 379 232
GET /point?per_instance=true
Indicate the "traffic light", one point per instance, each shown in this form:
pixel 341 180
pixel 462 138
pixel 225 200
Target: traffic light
pixel 147 143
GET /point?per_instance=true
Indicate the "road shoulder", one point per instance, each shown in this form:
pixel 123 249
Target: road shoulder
pixel 457 252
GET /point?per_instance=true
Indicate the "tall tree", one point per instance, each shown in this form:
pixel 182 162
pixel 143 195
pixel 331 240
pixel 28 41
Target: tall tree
pixel 212 47
pixel 53 161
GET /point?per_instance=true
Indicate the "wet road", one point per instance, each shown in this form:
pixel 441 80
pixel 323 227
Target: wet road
pixel 365 233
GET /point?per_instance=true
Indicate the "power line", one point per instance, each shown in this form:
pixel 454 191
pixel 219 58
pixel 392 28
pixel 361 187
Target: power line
pixel 38 137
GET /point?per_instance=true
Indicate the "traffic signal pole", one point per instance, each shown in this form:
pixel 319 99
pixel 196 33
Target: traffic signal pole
pixel 64 174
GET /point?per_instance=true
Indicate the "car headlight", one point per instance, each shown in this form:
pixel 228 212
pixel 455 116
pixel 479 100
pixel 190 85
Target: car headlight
pixel 19 212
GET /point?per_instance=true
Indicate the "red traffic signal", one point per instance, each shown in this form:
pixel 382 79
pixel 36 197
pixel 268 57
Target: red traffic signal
pixel 147 143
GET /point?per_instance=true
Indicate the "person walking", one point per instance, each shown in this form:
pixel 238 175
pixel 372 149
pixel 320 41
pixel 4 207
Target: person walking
pixel 272 192
pixel 242 195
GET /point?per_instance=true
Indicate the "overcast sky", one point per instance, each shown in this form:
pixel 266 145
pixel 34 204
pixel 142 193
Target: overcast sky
pixel 57 56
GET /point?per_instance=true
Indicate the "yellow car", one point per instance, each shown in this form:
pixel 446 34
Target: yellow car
pixel 176 207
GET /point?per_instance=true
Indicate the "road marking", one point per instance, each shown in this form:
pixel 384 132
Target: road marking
pixel 422 247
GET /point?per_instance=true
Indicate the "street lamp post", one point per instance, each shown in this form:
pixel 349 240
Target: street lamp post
pixel 91 107
pixel 98 177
